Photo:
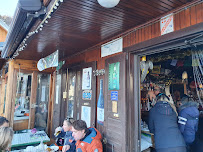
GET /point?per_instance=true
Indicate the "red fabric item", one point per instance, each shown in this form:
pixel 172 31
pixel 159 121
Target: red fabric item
pixel 180 63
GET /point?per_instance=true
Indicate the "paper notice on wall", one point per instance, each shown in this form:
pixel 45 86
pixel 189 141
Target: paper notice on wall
pixel 86 115
pixel 166 24
pixel 43 93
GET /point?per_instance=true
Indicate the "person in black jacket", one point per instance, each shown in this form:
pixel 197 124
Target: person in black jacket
pixel 163 124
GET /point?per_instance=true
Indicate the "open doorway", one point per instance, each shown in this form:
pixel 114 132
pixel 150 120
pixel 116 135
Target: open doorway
pixel 178 74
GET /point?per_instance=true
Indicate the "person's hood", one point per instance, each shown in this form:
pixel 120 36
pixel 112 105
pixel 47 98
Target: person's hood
pixel 191 110
pixel 94 134
pixel 164 108
pixel 188 104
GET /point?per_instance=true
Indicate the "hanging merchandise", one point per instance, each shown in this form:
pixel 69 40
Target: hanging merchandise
pixel 197 62
pixel 144 66
pixel 100 105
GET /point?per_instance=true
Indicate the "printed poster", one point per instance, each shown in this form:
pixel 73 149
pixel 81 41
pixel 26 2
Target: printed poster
pixel 86 115
pixel 166 24
pixel 86 78
pixel 114 69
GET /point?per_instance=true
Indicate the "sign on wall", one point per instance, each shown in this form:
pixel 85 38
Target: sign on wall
pixel 86 78
pixel 114 69
pixel 112 47
pixel 86 115
pixel 166 24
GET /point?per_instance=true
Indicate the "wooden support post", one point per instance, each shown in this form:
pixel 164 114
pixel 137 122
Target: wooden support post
pixel 51 104
pixel 3 82
pixel 13 97
pixel 9 91
pixel 33 100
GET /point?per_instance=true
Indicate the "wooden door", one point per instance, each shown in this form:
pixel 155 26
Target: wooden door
pixel 115 104
pixel 81 101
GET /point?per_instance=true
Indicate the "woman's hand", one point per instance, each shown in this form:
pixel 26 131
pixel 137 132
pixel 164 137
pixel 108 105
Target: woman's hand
pixel 65 148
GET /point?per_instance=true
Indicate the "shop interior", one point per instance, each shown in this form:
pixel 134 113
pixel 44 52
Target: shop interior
pixel 177 73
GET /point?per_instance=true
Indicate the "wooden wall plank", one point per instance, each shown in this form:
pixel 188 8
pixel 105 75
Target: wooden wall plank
pixel 93 56
pixel 187 17
pixel 193 15
pixel 199 11
pixel 157 29
pixel 33 98
pixel 182 20
pixel 177 22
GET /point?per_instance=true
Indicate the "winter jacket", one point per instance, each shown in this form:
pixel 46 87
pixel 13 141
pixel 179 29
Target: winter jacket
pixel 188 121
pixel 68 140
pixel 163 123
pixel 91 142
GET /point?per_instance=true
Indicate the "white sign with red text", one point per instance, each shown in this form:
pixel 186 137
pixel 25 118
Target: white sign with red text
pixel 166 24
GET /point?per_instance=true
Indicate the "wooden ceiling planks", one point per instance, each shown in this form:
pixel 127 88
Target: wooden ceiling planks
pixel 79 25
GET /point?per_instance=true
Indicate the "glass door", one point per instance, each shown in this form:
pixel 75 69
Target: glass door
pixel 42 101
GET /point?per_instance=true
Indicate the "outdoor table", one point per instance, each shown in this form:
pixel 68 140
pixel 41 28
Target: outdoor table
pixel 26 139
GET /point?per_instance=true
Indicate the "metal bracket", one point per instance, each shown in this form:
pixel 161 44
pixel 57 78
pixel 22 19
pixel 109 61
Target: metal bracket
pixel 33 106
pixel 99 72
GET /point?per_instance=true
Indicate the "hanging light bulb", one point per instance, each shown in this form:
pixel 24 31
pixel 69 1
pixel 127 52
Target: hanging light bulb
pixel 108 3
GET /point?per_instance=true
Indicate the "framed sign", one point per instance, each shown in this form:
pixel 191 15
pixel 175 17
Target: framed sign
pixel 114 69
pixel 86 78
pixel 87 95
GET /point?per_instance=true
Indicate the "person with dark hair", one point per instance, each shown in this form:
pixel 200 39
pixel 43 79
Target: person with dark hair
pixel 66 133
pixel 163 124
pixel 87 139
pixel 188 119
pixel 3 122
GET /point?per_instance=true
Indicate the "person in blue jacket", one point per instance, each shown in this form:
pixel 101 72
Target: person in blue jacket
pixel 188 119
pixel 163 124
pixel 66 133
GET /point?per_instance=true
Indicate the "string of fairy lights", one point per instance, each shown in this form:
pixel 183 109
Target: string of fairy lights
pixel 23 44
pixel 56 5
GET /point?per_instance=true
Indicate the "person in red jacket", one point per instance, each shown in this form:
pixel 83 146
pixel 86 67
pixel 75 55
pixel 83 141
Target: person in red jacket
pixel 87 139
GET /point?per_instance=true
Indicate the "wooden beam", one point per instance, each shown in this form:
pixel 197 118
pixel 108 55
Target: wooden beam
pixel 29 65
pixel 3 82
pixel 9 91
pixel 14 85
pixel 33 100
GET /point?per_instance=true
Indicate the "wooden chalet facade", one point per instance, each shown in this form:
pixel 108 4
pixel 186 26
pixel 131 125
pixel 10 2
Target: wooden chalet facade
pixel 79 40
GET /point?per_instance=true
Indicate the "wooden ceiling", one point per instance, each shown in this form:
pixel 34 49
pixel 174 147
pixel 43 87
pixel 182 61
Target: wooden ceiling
pixel 80 24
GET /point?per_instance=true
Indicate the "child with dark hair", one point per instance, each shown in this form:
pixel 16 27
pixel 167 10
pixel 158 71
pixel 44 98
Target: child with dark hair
pixel 3 122
pixel 66 133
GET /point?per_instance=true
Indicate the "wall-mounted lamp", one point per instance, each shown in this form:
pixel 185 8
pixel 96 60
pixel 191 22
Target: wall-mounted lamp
pixel 108 3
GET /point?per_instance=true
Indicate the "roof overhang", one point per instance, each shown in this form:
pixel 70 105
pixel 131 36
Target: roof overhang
pixel 25 16
pixel 76 26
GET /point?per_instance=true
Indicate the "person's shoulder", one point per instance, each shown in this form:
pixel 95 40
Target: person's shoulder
pixel 96 144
